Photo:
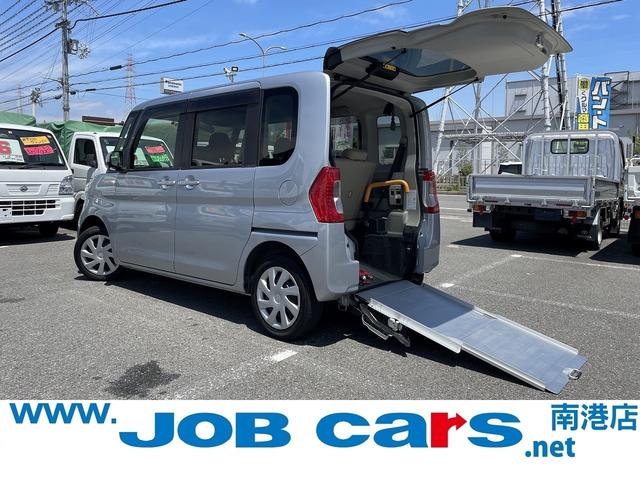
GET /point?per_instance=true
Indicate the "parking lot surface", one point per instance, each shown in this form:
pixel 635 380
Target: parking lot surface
pixel 145 336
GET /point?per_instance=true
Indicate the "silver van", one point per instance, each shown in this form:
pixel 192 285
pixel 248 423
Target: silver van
pixel 306 188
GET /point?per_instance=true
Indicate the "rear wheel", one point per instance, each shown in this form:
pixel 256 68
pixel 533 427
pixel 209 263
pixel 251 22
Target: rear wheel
pixel 283 300
pixel 94 257
pixel 596 243
pixel 48 229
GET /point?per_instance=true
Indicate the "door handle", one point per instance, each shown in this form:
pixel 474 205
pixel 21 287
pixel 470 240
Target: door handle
pixel 189 182
pixel 166 182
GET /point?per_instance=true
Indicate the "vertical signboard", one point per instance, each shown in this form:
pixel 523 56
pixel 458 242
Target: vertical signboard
pixel 593 103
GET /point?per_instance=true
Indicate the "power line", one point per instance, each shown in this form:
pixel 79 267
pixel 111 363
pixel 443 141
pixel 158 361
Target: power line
pixel 28 46
pixel 207 75
pixel 127 12
pixel 264 35
pixel 17 14
pixel 8 10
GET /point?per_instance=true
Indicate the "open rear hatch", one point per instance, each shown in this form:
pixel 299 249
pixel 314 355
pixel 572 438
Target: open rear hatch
pixel 485 42
pixel 459 326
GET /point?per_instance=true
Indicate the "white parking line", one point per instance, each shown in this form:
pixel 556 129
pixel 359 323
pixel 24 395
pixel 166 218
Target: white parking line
pixel 280 356
pixel 570 306
pixel 574 262
pixel 460 219
pixel 4 246
pixel 453 246
pixel 447 285
pixel 453 208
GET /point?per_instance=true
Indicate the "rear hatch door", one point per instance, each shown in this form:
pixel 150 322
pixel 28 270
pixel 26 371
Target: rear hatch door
pixel 484 42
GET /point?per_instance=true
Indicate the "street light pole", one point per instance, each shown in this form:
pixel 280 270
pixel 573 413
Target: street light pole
pixel 263 51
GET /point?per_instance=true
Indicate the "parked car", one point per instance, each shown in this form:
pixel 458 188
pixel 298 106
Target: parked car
pixel 632 199
pixel 279 189
pixel 35 180
pixel 573 183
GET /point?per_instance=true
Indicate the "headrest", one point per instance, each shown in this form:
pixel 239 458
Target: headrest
pixel 353 154
pixel 218 139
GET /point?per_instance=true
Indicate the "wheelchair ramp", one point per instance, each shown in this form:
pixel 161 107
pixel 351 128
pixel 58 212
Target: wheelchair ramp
pixel 532 357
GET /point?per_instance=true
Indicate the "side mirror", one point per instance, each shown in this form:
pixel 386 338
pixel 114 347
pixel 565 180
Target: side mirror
pixel 115 160
pixel 90 160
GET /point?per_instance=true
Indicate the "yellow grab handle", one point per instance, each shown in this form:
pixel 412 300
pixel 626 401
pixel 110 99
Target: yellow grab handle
pixel 388 183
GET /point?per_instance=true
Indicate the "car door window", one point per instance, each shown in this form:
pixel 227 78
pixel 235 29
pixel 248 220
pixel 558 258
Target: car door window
pixel 279 125
pixel 84 148
pixel 156 146
pixel 219 139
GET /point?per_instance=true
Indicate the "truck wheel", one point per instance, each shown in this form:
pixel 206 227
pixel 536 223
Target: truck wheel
pixel 283 300
pixel 94 257
pixel 48 230
pixel 596 244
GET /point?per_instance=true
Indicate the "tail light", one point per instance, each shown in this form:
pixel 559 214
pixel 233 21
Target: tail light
pixel 324 196
pixel 431 204
pixel 636 213
pixel 479 208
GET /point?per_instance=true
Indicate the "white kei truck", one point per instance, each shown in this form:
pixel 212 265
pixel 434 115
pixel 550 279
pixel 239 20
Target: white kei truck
pixel 572 183
pixel 35 181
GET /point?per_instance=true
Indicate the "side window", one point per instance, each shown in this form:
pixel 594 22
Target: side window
pixel 85 151
pixel 345 133
pixel 155 147
pixel 279 125
pixel 389 136
pixel 219 139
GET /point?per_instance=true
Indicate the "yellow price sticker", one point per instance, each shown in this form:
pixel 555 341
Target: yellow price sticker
pixel 41 140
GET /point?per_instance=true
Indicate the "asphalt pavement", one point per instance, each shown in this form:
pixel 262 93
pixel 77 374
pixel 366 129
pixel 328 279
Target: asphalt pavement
pixel 144 336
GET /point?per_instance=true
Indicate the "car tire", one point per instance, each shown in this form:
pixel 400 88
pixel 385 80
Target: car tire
pixel 76 215
pixel 596 244
pixel 48 230
pixel 94 257
pixel 283 300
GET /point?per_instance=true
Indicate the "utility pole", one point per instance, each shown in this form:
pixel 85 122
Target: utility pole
pixel 544 78
pixel 445 103
pixel 35 100
pixel 561 69
pixel 69 46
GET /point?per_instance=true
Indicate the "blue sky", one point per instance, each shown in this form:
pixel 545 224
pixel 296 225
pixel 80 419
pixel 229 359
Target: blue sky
pixel 604 39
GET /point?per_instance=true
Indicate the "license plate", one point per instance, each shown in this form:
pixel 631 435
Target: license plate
pixel 547 215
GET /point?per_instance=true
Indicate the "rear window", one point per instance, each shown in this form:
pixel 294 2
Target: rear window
pixel 345 133
pixel 108 145
pixel 578 146
pixel 28 149
pixel 418 62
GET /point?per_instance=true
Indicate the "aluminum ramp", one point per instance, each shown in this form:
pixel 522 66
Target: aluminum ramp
pixel 532 357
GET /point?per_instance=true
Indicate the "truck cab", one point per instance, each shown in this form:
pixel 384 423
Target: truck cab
pixel 35 180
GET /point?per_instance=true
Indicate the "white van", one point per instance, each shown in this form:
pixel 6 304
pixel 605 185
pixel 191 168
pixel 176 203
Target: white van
pixel 35 181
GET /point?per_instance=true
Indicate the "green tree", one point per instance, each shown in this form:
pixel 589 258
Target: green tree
pixel 465 168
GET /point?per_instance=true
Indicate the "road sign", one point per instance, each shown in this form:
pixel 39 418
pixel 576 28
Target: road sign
pixel 170 86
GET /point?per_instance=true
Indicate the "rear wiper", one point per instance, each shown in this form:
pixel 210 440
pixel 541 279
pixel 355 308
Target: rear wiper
pixel 41 164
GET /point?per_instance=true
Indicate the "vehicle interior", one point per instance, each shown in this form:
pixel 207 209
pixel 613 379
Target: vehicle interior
pixel 373 143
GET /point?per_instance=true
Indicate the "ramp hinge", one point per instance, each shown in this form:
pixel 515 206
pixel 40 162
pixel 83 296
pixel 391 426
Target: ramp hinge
pixel 380 329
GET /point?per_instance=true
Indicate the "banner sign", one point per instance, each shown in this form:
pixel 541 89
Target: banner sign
pixel 593 103
pixel 318 439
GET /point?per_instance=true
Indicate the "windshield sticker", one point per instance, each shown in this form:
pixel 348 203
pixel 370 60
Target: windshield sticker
pixel 160 158
pixel 39 150
pixel 9 153
pixel 155 149
pixel 41 140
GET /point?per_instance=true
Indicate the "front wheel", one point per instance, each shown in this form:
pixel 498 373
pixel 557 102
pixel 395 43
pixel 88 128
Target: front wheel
pixel 283 300
pixel 93 254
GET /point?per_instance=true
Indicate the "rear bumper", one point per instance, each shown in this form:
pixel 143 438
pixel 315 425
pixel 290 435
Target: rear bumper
pixel 540 220
pixel 36 210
